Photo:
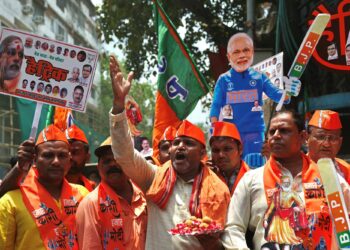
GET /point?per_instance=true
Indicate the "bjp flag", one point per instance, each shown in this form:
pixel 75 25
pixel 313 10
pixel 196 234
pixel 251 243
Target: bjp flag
pixel 60 117
pixel 180 84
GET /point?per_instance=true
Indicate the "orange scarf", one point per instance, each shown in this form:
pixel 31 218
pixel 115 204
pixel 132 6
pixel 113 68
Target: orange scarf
pixel 110 213
pixel 56 226
pixel 317 212
pixel 244 169
pixel 209 197
pixel 88 184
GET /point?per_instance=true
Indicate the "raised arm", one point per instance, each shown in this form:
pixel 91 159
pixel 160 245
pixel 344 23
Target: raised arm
pixel 133 164
pixel 13 178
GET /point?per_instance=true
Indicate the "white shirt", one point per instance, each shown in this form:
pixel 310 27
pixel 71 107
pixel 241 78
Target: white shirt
pixel 142 173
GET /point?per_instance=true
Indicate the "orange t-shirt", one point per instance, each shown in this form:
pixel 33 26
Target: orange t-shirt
pixel 134 222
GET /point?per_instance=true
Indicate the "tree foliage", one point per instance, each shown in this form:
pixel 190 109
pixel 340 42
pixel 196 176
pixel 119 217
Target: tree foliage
pixel 132 23
pixel 143 93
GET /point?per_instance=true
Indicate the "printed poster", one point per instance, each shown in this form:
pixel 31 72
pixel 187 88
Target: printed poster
pixel 45 70
pixel 273 68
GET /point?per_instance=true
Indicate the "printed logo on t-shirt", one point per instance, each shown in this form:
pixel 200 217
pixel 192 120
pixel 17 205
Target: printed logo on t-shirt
pixel 230 86
pixel 242 96
pixel 252 83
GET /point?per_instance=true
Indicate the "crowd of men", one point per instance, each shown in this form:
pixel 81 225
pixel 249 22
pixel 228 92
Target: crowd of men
pixel 47 203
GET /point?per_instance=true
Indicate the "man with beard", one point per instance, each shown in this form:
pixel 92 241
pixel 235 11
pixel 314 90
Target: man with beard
pixel 11 56
pixel 325 140
pixel 226 151
pixel 114 215
pixel 254 194
pixel 241 87
pixel 79 150
pixel 41 214
pixel 181 188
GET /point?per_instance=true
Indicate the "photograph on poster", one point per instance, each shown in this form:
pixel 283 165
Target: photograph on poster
pixel 57 73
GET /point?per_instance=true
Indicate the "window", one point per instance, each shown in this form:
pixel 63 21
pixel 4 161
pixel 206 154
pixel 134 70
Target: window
pixel 59 30
pixel 61 4
pixel 38 15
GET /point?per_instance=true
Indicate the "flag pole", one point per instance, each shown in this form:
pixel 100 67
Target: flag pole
pixel 36 119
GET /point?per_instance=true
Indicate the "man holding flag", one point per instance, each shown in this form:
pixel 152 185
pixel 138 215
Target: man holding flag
pixel 181 188
pixel 179 87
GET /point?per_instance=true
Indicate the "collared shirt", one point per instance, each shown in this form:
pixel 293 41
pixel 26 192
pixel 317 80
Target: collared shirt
pixel 248 206
pixel 230 180
pixel 134 221
pixel 17 227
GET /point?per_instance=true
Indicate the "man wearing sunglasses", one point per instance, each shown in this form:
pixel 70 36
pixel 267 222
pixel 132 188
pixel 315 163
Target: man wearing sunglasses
pixel 11 57
pixel 325 140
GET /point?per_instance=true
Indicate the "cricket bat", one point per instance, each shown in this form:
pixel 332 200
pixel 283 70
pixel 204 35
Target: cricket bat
pixel 336 202
pixel 305 51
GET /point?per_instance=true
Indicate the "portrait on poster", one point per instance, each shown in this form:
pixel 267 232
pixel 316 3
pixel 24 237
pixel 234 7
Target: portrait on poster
pixel 45 70
pixel 227 112
pixel 272 67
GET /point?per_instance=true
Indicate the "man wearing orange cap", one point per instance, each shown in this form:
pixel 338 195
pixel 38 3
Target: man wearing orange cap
pixel 182 187
pixel 282 203
pixel 165 144
pixel 79 150
pixel 226 152
pixel 325 140
pixel 114 215
pixel 41 215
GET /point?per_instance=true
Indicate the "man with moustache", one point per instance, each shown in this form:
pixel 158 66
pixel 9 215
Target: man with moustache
pixel 226 152
pixel 325 140
pixel 241 87
pixel 11 57
pixel 182 187
pixel 78 94
pixel 250 207
pixel 114 215
pixel 41 214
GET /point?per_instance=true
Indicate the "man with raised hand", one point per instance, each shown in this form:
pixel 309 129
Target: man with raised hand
pixel 182 187
pixel 114 215
pixel 41 214
pixel 325 140
pixel 226 151
pixel 289 220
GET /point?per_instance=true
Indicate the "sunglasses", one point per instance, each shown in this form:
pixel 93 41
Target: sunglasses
pixel 13 52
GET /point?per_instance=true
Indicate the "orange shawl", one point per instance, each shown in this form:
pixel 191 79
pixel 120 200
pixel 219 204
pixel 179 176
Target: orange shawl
pixel 318 218
pixel 88 184
pixel 244 169
pixel 210 196
pixel 56 226
pixel 110 213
